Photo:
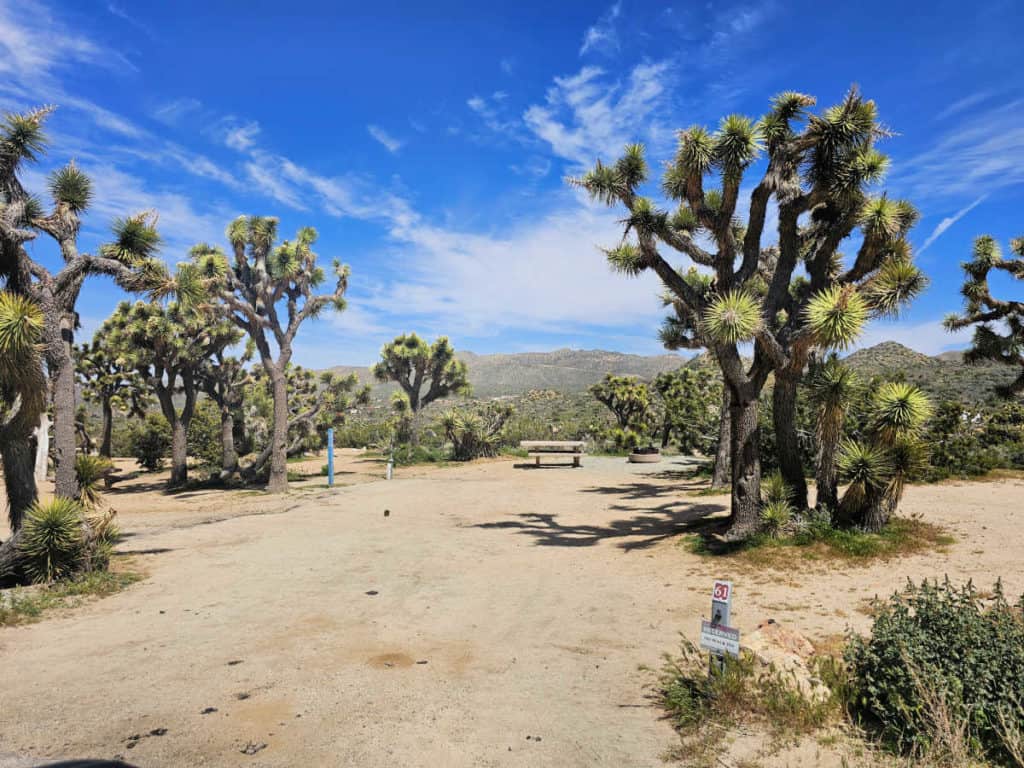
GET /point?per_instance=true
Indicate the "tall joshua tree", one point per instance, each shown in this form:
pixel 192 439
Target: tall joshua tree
pixel 268 291
pixel 168 346
pixel 818 175
pixel 128 259
pixel 110 381
pixel 985 312
pixel 410 362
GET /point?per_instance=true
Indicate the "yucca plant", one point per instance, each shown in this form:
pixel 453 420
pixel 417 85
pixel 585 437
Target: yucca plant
pixel 732 318
pixel 836 316
pixel 777 517
pixel 51 540
pixel 877 468
pixel 775 489
pixel 91 471
pixel 832 389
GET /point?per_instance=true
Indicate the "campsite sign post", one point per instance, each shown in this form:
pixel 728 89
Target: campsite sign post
pixel 716 635
pixel 330 457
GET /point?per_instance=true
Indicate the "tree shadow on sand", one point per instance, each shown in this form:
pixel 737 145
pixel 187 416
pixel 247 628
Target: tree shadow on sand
pixel 641 529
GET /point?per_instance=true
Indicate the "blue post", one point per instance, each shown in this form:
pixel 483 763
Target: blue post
pixel 330 457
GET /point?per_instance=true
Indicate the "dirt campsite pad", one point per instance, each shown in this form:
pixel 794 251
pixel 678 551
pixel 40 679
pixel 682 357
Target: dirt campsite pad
pixel 497 616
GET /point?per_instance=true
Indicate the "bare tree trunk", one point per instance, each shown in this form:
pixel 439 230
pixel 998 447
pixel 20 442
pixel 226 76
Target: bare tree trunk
pixel 229 460
pixel 827 474
pixel 59 338
pixel 108 428
pixel 278 481
pixel 721 475
pixel 746 469
pixel 787 444
pixel 179 453
pixel 17 450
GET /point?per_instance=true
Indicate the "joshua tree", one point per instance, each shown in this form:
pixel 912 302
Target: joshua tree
pixel 833 387
pixel 985 312
pixel 410 362
pixel 877 466
pixel 168 346
pixel 111 382
pixel 629 399
pixel 687 397
pixel 268 292
pixel 128 259
pixel 224 379
pixel 315 402
pixel 818 177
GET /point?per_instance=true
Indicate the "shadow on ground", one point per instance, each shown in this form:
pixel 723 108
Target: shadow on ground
pixel 643 529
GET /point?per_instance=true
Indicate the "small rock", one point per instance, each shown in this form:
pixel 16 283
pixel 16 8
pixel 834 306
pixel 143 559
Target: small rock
pixel 235 662
pixel 371 592
pixel 422 661
pixel 387 513
pixel 208 711
pixel 158 732
pixel 243 695
pixel 252 747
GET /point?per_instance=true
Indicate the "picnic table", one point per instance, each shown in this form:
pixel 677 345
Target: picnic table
pixel 550 449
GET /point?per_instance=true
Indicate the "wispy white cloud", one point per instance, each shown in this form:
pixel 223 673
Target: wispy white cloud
pixel 494 114
pixel 966 102
pixel 385 139
pixel 240 136
pixel 586 116
pixel 507 65
pixel 603 37
pixel 949 221
pixel 121 13
pixel 984 151
pixel 173 112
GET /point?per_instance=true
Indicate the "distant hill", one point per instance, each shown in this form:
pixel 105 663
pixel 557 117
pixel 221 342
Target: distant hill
pixel 944 376
pixel 563 370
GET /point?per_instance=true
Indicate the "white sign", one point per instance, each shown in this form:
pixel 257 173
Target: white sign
pixel 718 638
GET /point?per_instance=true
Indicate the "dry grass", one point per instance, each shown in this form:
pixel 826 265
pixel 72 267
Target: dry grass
pixel 25 605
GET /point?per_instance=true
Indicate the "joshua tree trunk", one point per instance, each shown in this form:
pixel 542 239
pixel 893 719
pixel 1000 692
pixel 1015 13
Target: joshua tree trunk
pixel 229 462
pixel 17 450
pixel 787 446
pixel 179 453
pixel 826 476
pixel 108 428
pixel 278 481
pixel 720 477
pixel 746 468
pixel 59 337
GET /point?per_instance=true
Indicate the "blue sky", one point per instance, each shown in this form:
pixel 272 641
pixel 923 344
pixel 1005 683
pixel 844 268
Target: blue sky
pixel 428 143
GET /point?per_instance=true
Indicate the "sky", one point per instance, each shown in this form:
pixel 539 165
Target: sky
pixel 428 143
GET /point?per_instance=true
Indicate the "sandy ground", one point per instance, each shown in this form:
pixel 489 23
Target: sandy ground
pixel 496 617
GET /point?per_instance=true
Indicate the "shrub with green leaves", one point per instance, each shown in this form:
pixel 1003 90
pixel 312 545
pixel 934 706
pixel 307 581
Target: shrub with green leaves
pixel 151 442
pixel 51 540
pixel 91 471
pixel 937 640
pixel 475 434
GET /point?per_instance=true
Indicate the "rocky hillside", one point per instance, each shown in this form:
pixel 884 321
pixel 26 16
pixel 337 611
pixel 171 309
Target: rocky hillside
pixel 564 370
pixel 944 376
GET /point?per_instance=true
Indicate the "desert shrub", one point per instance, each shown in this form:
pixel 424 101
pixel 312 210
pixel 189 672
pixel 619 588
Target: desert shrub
pixel 740 692
pixel 151 441
pixel 91 470
pixel 940 660
pixel 204 438
pixel 51 540
pixel 476 433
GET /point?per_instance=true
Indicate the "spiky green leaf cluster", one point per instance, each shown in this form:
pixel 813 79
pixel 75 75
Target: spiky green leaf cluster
pixel 732 318
pixel 900 411
pixel 836 316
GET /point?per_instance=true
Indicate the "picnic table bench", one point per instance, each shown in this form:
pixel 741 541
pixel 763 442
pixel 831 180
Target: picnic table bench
pixel 546 449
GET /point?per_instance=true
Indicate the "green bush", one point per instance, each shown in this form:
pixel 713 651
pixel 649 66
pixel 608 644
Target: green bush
pixel 151 441
pixel 51 540
pixel 204 438
pixel 936 655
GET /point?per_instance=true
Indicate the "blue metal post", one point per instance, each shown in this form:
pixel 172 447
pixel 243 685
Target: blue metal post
pixel 330 457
